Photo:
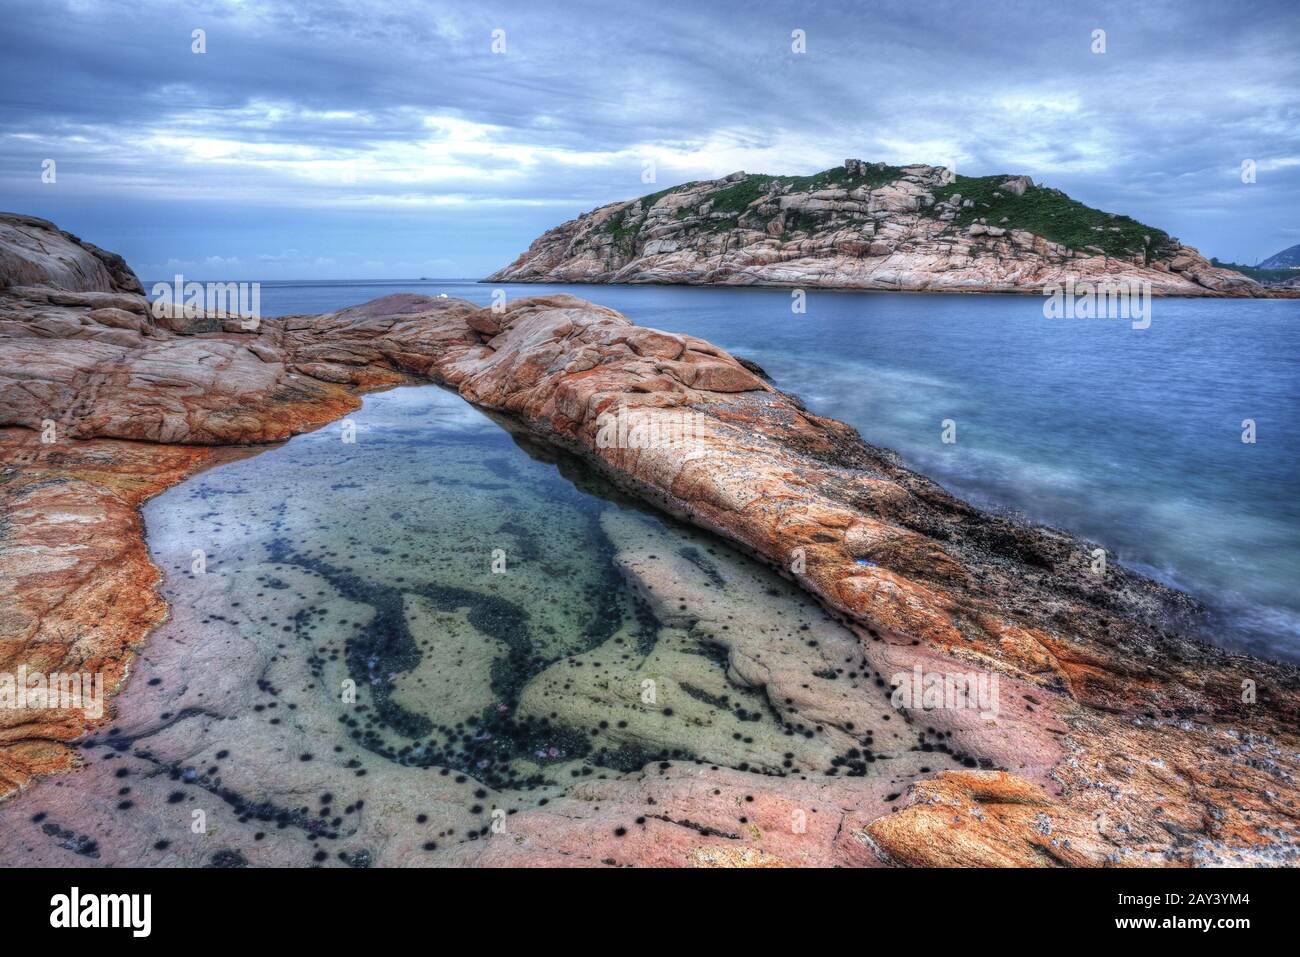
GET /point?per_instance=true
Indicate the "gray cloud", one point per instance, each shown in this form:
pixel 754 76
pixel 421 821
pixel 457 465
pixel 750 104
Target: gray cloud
pixel 312 112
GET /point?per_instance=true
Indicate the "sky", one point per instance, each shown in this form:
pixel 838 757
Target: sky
pixel 321 140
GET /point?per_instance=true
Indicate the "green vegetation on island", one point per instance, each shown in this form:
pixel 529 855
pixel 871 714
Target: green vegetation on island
pixel 1043 211
pixel 1053 215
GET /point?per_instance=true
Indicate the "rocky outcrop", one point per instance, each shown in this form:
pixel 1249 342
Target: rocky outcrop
pixel 1114 740
pixel 868 226
pixel 1288 258
pixel 35 252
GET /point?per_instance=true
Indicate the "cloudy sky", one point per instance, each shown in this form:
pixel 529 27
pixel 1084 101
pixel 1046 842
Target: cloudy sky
pixel 377 139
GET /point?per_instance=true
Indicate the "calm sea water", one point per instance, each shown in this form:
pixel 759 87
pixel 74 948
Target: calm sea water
pixel 1132 438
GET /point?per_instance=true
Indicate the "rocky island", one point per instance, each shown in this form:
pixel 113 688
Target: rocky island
pixel 869 226
pixel 1120 738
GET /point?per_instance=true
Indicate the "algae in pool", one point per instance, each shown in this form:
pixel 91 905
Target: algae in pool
pixel 440 574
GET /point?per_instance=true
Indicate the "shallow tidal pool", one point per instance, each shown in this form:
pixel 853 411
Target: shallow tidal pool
pixel 389 635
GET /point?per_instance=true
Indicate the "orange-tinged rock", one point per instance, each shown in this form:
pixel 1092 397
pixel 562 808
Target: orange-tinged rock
pixel 983 819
